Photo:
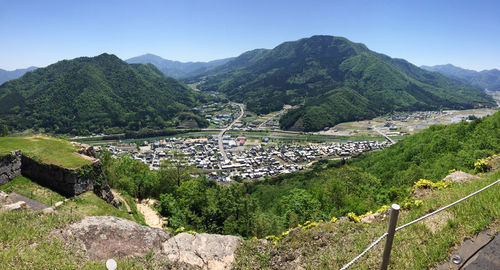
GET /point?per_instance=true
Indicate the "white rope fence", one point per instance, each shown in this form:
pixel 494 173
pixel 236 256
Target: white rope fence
pixel 415 221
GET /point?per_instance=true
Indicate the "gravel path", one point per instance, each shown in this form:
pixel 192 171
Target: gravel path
pixel 152 218
pixel 30 203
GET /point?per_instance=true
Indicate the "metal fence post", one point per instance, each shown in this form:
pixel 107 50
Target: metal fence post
pixel 393 220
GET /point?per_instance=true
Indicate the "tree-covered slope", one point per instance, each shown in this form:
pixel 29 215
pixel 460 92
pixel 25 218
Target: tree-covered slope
pixel 98 94
pixel 486 79
pixel 329 188
pixel 314 72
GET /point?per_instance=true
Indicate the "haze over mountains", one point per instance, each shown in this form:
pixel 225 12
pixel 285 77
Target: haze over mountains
pixel 97 94
pixel 6 75
pixel 333 80
pixel 486 79
pixel 175 69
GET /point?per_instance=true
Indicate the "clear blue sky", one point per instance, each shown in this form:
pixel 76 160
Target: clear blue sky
pixel 464 33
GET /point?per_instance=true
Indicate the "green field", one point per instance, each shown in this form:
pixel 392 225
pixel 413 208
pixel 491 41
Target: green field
pixel 25 239
pixel 45 149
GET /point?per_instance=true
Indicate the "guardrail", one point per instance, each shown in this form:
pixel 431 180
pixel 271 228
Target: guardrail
pixel 392 229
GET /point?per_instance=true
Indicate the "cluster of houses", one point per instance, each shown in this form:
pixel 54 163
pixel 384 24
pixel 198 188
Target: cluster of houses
pixel 404 117
pixel 248 162
pixel 218 114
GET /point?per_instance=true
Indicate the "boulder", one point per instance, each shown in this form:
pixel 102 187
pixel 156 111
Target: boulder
pixel 49 210
pixel 370 218
pixel 201 251
pixel 4 197
pixel 17 206
pixel 460 177
pixel 106 237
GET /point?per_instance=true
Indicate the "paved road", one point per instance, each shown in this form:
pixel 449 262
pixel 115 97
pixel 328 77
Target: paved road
pixel 221 133
pixel 30 203
pixel 381 133
pixel 487 258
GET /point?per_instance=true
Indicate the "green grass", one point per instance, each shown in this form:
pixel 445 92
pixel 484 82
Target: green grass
pixel 26 242
pixel 25 239
pixel 415 247
pixel 45 149
pixel 23 186
pixel 139 218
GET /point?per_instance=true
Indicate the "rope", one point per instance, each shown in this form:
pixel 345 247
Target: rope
pixel 364 252
pixel 445 207
pixel 415 221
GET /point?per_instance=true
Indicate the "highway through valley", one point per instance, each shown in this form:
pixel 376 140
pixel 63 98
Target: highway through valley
pixel 221 133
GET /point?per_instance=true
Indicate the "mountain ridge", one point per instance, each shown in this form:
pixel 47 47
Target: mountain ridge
pixel 172 68
pixel 301 72
pixel 7 75
pixel 485 79
pixel 95 94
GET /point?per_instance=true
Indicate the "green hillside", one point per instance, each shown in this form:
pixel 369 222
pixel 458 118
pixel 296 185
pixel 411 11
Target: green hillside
pixel 91 95
pixel 335 78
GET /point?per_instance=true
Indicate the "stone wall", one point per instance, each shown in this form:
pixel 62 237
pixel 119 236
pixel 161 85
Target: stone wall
pixel 69 182
pixel 10 166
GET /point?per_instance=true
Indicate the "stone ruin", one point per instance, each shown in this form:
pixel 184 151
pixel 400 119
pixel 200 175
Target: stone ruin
pixel 66 181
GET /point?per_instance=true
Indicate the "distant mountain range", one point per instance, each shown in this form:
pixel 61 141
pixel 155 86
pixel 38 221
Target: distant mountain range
pixel 175 69
pixel 486 79
pixel 333 80
pixel 97 94
pixel 6 75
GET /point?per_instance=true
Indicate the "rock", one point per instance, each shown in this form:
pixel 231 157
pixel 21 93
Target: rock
pixel 49 210
pixel 86 150
pixel 202 251
pixel 461 177
pixel 420 193
pixel 104 192
pixel 57 204
pixel 10 166
pixel 3 197
pixel 107 237
pixel 370 218
pixel 17 206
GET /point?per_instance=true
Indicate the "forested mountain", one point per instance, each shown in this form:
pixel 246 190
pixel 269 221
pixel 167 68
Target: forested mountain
pixel 175 69
pixel 6 75
pixel 486 79
pixel 98 94
pixel 334 80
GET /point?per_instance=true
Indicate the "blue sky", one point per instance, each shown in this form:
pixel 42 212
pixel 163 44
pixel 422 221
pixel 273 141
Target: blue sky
pixel 38 33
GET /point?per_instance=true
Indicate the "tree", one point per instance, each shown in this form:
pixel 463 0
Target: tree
pixel 176 169
pixel 5 131
pixel 298 207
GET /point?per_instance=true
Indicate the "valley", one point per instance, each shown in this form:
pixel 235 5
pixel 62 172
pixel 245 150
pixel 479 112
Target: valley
pixel 265 144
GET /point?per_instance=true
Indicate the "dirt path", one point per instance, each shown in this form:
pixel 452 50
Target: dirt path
pixel 119 197
pixel 152 218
